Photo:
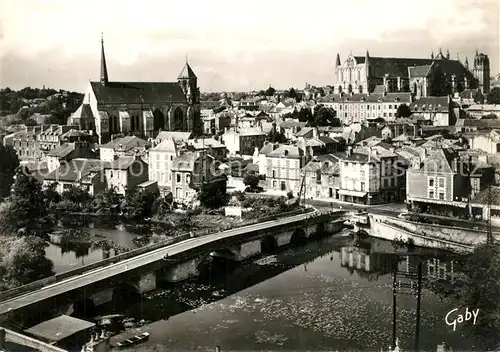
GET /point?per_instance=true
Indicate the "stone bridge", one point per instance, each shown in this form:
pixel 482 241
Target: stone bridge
pixel 173 263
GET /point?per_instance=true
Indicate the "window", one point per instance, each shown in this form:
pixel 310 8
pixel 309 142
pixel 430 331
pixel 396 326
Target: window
pixel 274 173
pixel 385 182
pixel 178 177
pixel 431 183
pixel 275 184
pixel 390 106
pixel 431 194
pixel 171 157
pixel 441 182
pixel 362 186
pixel 441 195
pixel 111 173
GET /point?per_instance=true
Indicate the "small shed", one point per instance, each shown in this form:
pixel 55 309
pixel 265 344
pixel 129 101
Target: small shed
pixel 63 331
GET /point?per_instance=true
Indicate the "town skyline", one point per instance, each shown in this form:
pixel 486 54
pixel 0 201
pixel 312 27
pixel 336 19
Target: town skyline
pixel 228 50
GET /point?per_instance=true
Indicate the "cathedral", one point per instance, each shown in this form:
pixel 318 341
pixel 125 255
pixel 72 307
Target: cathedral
pixel 112 109
pixel 436 76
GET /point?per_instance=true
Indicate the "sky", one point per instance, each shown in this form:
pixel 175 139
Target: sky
pixel 231 45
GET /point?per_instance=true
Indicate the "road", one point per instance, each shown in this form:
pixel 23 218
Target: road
pixel 111 270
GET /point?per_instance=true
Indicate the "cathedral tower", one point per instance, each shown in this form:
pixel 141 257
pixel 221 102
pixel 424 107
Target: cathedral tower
pixel 189 85
pixel 481 71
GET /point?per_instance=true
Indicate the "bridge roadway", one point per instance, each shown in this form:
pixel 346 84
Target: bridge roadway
pixel 111 270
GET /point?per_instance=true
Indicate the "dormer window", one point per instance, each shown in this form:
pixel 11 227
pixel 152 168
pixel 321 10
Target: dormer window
pixel 396 99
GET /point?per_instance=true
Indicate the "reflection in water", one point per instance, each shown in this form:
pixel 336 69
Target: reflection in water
pixel 299 299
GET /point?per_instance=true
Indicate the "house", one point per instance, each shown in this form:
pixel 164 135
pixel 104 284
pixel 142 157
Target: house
pixel 129 145
pixel 444 182
pixel 212 146
pixel 259 156
pixel 283 168
pixel 176 136
pixel 79 172
pixel 437 110
pixel 291 127
pixel 322 177
pixel 307 132
pixel 479 110
pixel 66 152
pixel 488 142
pixel 189 170
pixel 473 125
pixel 125 173
pixel 368 175
pixel 243 141
pixel 160 163
pixel 486 201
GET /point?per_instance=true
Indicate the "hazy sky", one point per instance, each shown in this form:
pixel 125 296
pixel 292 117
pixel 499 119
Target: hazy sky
pixel 231 45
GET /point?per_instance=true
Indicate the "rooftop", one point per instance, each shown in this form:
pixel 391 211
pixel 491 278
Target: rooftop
pixel 59 328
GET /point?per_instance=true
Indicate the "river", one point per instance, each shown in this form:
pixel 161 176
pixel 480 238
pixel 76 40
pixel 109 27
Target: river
pixel 307 298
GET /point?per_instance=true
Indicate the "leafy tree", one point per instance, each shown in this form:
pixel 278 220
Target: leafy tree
pixel 489 117
pixel 76 195
pixel 276 137
pixel 262 93
pixel 251 181
pixel 324 116
pixel 403 111
pixel 25 212
pixel 270 91
pixel 138 204
pixel 213 194
pixel 305 115
pixel 106 202
pixel 8 165
pixel 476 284
pixel 22 260
pixel 493 96
pixel 292 93
pixel 50 196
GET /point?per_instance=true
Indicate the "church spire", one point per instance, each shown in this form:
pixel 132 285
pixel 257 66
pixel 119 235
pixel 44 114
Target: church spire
pixel 337 60
pixel 466 62
pixel 104 68
pixel 367 58
pixel 432 54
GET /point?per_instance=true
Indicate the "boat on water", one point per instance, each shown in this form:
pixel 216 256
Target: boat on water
pixel 348 224
pixel 133 340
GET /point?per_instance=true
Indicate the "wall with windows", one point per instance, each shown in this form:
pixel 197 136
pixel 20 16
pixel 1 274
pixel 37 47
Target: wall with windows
pixel 160 163
pixel 437 186
pixel 283 174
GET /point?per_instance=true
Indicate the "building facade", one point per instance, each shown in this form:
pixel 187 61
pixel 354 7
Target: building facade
pixel 139 108
pixel 437 75
pixel 283 168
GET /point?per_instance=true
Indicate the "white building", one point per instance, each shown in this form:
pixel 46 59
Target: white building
pixel 160 163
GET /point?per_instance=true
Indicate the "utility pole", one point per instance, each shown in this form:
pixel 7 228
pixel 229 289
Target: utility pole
pixel 419 294
pixel 394 315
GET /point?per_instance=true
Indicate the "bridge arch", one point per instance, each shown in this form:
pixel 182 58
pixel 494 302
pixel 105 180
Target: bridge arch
pixel 298 238
pixel 268 244
pixel 125 292
pixel 84 307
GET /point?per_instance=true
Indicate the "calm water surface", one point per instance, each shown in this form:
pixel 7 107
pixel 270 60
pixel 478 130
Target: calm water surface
pixel 300 299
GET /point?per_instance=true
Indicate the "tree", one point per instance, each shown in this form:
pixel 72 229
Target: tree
pixel 276 137
pixel 476 284
pixel 489 117
pixel 76 195
pixel 305 115
pixel 8 165
pixel 292 93
pixel 24 212
pixel 324 116
pixel 22 260
pixel 493 97
pixel 106 202
pixel 213 194
pixel 403 111
pixel 50 196
pixel 138 204
pixel 251 181
pixel 270 91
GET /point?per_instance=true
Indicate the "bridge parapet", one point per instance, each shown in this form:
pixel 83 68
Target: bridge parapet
pixel 127 255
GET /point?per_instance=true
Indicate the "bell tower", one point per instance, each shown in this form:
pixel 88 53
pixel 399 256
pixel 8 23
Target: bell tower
pixel 189 84
pixel 481 71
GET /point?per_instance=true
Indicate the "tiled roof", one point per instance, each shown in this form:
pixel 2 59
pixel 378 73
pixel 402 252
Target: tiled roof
pixel 174 135
pixel 268 148
pixel 62 150
pixel 486 196
pixel 122 163
pixel 314 142
pixel 288 151
pixel 327 140
pixel 138 92
pixel 250 132
pixel 86 111
pixel 440 161
pixel 327 163
pixel 187 72
pixel 304 131
pixel 357 157
pixel 402 97
pixel 202 143
pixel 419 71
pixel 75 169
pixel 184 162
pixel 74 134
pixel 487 123
pixel 168 145
pixel 292 123
pixel 126 143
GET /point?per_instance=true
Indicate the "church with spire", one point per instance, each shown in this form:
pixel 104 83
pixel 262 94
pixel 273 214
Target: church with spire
pixel 437 75
pixel 113 108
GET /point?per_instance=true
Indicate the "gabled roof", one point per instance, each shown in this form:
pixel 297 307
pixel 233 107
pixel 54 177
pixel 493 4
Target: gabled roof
pixel 328 164
pixel 286 151
pixel 168 145
pixel 176 136
pixel 75 169
pixel 268 148
pixel 126 143
pixel 187 72
pixel 122 163
pixel 86 111
pixel 185 162
pixel 487 195
pixel 62 150
pixel 419 71
pixel 440 161
pixel 137 92
pixel 304 131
